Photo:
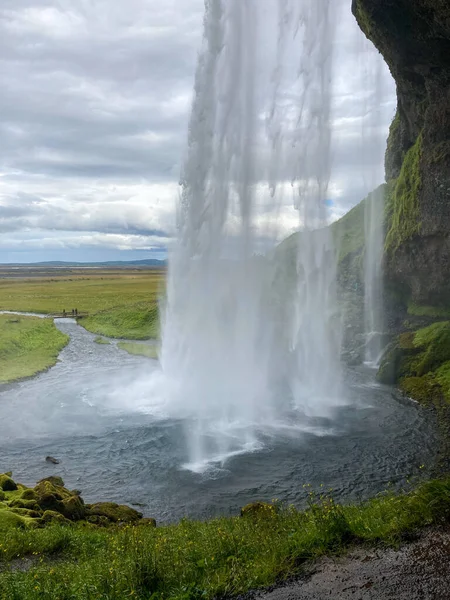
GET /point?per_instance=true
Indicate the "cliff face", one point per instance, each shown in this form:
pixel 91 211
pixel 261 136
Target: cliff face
pixel 414 38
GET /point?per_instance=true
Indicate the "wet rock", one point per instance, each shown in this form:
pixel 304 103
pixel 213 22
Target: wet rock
pixel 52 460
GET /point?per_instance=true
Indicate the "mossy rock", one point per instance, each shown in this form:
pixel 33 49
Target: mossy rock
pixel 74 508
pixel 10 520
pixel 58 499
pixel 116 513
pixel 7 484
pixel 54 480
pixel 2 496
pixel 259 510
pixel 420 363
pixel 50 516
pixel 28 504
pixel 26 512
pixel 423 389
pixel 98 520
pixel 50 497
pixel 28 494
pixel 147 522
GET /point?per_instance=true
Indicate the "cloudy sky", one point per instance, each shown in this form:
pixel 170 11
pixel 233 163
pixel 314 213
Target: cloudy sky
pixel 94 104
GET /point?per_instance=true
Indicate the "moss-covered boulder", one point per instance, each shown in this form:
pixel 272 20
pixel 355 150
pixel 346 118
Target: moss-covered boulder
pixel 116 513
pixel 21 503
pixel 10 520
pixel 147 522
pixel 50 516
pixel 54 480
pixel 58 499
pixel 7 484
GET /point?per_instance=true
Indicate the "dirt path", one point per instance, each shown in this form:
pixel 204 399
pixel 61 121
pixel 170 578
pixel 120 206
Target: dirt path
pixel 420 570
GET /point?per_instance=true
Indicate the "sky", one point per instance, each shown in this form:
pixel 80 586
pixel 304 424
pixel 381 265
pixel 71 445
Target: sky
pixel 95 99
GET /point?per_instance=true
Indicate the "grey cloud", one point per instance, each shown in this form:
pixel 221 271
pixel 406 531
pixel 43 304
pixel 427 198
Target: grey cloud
pixel 95 95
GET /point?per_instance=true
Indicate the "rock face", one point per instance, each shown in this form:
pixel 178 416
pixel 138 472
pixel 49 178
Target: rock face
pixel 414 38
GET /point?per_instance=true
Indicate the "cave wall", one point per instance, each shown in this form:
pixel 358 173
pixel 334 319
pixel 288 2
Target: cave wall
pixel 414 38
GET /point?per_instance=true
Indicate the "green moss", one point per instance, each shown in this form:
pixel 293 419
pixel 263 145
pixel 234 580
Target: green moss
pixel 423 389
pixel 116 513
pixel 428 311
pixel 364 19
pixel 443 377
pixel 9 520
pixel 139 349
pixel 405 217
pixel 420 362
pixel 7 484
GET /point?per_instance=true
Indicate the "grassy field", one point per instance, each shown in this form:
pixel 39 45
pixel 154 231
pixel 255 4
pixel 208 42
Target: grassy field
pixel 121 303
pixel 193 560
pixel 28 345
pixel 139 349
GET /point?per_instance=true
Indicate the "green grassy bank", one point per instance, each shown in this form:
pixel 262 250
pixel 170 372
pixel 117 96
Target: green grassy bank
pixel 139 349
pixel 225 556
pixel 28 345
pixel 129 321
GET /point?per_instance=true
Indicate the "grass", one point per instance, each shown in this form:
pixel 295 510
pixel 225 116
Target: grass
pixel 120 304
pixel 28 345
pixel 218 558
pixel 101 341
pixel 139 349
pixel 129 321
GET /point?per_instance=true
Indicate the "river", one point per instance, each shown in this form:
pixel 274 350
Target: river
pixel 91 412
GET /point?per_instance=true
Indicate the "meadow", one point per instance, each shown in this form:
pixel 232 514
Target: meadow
pixel 121 303
pixel 219 558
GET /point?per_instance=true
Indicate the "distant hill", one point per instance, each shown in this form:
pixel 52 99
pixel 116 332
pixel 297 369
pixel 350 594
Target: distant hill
pixel 151 262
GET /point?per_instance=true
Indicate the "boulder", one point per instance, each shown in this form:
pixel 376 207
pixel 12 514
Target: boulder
pixel 54 479
pixel 51 516
pixel 147 522
pixel 58 499
pixel 116 513
pixel 7 484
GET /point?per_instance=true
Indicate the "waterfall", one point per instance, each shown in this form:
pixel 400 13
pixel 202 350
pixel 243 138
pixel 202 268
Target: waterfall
pixel 257 137
pixel 374 83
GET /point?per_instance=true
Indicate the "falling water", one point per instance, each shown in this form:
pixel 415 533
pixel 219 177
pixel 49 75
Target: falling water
pixel 253 140
pixel 373 143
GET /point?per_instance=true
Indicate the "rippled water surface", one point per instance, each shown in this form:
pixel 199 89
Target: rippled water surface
pixel 91 411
